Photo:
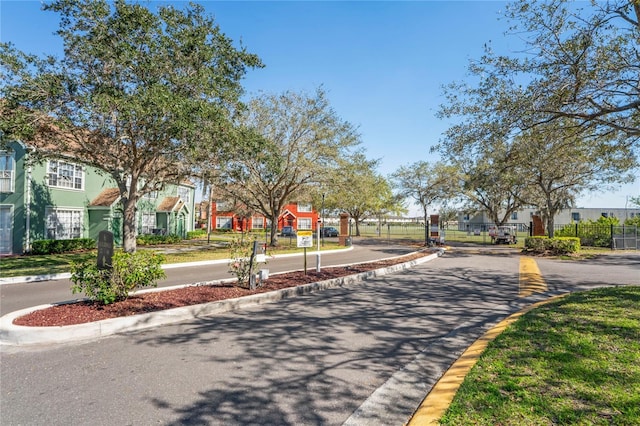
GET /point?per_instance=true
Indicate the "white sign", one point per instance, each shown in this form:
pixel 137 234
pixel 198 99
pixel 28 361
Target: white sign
pixel 305 238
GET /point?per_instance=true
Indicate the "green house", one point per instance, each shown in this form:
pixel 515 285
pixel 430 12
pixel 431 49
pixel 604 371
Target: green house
pixel 59 199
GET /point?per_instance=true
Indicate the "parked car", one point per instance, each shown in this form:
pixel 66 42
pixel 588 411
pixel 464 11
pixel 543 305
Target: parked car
pixel 329 231
pixel 288 231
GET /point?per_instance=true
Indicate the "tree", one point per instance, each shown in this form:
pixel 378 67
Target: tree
pixel 426 184
pixel 572 81
pixel 357 189
pixel 292 144
pixel 136 93
pixel 557 164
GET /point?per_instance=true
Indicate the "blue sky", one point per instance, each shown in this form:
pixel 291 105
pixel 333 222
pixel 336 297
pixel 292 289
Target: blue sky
pixel 383 63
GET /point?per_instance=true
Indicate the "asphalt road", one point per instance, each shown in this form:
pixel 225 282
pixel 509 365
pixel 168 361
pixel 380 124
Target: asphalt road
pixel 25 295
pixel 364 354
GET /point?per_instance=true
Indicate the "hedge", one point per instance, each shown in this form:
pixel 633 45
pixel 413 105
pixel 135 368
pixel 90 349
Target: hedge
pixel 554 246
pixel 62 246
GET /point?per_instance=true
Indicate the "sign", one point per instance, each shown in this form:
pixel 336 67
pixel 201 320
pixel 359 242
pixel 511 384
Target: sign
pixel 105 249
pixel 305 239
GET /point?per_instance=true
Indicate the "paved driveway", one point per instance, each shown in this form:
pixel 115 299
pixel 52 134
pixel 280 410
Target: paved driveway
pixel 366 354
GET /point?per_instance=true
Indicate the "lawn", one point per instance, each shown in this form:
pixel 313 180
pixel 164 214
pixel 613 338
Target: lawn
pixel 572 361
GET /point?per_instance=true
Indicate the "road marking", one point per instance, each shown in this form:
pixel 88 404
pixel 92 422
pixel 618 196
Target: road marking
pixel 531 280
pixel 438 400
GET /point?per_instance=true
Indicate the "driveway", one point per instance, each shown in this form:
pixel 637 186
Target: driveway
pixel 364 354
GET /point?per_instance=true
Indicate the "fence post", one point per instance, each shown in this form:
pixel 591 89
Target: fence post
pixel 576 235
pixel 613 243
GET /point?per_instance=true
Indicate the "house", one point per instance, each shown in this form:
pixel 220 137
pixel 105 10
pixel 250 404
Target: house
pixel 60 199
pixel 299 215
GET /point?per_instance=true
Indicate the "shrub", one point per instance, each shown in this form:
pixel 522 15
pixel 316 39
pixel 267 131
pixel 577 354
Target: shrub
pixel 128 272
pixel 198 233
pixel 62 246
pixel 555 246
pixel 152 239
pixel 240 264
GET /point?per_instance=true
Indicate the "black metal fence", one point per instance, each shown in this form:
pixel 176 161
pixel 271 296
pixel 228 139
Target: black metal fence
pixel 616 237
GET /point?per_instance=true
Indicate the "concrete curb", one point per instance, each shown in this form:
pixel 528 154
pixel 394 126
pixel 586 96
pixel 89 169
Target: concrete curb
pixel 14 335
pixel 65 275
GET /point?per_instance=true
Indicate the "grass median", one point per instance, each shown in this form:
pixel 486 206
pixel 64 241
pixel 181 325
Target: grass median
pixel 572 361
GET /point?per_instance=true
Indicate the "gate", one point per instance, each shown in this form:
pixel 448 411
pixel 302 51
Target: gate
pixel 624 237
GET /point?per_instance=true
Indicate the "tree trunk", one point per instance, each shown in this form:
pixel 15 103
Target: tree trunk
pixel 273 234
pixel 129 225
pixel 426 228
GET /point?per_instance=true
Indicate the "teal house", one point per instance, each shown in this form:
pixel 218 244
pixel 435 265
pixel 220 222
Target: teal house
pixel 60 199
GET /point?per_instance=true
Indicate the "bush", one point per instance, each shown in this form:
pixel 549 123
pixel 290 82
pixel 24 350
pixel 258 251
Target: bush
pixel 554 246
pixel 151 239
pixel 62 246
pixel 240 258
pixel 128 272
pixel 198 233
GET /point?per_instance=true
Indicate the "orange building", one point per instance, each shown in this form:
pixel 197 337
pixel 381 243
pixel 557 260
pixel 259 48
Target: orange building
pixel 300 216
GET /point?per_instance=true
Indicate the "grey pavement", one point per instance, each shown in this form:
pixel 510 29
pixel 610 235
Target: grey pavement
pixel 363 354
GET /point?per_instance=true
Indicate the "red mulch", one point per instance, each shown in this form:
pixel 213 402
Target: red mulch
pixel 83 312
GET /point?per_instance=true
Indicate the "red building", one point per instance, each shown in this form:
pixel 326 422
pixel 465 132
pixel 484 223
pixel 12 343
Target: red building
pixel 300 216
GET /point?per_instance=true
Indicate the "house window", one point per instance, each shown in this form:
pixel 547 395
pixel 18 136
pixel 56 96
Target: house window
pixel 575 217
pixel 63 224
pixel 604 214
pixel 514 216
pixel 304 223
pixel 7 171
pixel 153 195
pixel 185 194
pixel 257 222
pixel 148 220
pixel 65 175
pixel 465 217
pixel 223 222
pixel 304 207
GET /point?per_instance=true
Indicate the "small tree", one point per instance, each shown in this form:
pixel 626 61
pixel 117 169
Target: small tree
pixel 241 261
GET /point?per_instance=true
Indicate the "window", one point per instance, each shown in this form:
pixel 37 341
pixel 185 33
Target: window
pixel 304 223
pixel 7 171
pixel 148 222
pixel 223 222
pixel 65 175
pixel 604 214
pixel 304 207
pixel 257 222
pixel 465 217
pixel 514 216
pixel 63 224
pixel 153 195
pixel 575 217
pixel 185 194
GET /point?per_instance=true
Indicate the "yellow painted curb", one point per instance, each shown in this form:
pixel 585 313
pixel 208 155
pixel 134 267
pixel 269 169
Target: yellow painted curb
pixel 530 280
pixel 438 400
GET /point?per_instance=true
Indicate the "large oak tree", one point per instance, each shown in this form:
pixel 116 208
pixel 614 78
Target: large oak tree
pixel 136 93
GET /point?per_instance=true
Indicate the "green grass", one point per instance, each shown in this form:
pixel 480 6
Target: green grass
pixel 189 251
pixel 572 361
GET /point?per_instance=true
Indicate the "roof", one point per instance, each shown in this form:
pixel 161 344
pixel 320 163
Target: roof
pixel 106 198
pixel 171 204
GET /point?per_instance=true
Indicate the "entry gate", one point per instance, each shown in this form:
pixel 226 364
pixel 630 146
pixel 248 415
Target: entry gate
pixel 624 237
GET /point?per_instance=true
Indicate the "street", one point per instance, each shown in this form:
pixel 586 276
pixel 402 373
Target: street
pixel 363 354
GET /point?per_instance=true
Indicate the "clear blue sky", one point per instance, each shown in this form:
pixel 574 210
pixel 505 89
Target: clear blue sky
pixel 383 63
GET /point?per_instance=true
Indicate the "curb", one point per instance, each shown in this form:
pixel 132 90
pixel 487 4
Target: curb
pixel 14 335
pixel 65 275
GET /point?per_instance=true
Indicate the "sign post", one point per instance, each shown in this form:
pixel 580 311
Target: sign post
pixel 305 239
pixel 105 249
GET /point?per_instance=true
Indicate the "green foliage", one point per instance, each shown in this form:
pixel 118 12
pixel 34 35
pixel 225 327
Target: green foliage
pixel 592 233
pixel 62 246
pixel 198 233
pixel 554 246
pixel 129 271
pixel 150 239
pixel 633 221
pixel 240 263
